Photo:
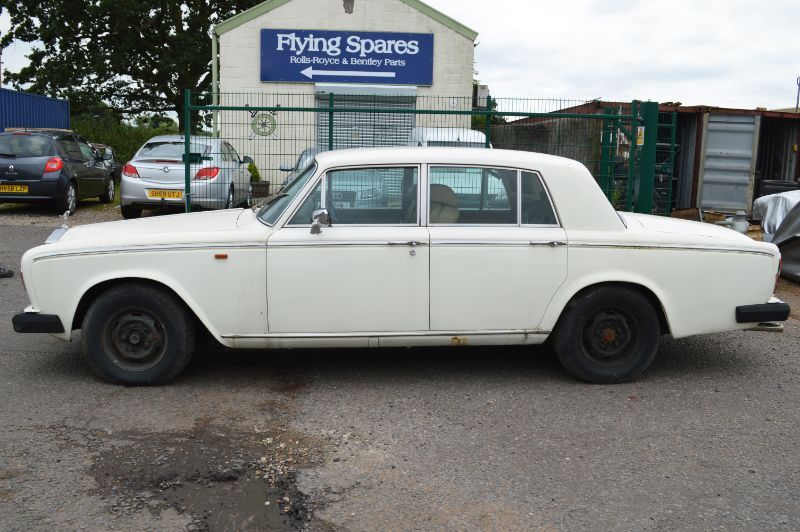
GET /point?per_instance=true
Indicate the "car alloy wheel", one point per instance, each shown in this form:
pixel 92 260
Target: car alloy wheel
pixel 229 204
pixel 71 196
pixel 110 192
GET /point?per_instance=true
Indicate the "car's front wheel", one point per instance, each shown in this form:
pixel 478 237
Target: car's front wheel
pixel 608 335
pixel 137 334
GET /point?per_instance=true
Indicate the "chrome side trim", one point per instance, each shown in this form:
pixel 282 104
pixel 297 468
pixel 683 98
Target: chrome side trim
pixel 663 247
pixel 147 249
pixel 498 332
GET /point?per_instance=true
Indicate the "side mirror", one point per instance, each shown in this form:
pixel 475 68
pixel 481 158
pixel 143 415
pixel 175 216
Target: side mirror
pixel 246 160
pixel 318 219
pixel 286 168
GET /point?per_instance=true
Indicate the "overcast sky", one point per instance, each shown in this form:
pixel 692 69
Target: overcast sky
pixel 730 53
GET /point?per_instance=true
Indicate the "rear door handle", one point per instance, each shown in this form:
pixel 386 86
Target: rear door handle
pixel 412 243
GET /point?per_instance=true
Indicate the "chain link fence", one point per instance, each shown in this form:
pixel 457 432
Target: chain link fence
pixel 263 140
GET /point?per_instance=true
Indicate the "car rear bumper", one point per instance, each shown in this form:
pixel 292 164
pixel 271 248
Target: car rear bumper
pixel 209 195
pixel 33 322
pixel 38 190
pixel 775 310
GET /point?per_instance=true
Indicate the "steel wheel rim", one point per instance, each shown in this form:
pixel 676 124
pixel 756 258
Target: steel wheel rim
pixel 134 339
pixel 610 337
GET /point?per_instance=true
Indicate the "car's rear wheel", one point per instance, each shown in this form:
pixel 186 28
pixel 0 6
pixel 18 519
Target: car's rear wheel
pixel 68 200
pixel 608 335
pixel 129 211
pixel 136 334
pixel 108 195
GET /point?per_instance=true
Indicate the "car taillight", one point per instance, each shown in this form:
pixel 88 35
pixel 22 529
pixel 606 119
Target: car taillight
pixel 53 164
pixel 207 173
pixel 130 171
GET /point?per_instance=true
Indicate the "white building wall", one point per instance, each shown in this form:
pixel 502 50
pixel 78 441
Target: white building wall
pixel 240 70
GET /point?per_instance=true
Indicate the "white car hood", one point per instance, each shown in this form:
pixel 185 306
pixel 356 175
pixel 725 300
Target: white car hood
pixel 153 226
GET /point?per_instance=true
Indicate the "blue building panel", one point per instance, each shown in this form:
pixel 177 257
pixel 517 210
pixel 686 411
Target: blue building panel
pixel 26 110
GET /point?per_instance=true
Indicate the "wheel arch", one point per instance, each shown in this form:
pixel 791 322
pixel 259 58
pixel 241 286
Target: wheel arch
pixel 92 293
pixel 641 287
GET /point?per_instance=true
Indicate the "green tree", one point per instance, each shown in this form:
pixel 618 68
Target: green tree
pixel 136 55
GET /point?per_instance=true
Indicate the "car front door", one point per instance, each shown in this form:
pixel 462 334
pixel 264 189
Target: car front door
pixel 365 274
pixel 497 256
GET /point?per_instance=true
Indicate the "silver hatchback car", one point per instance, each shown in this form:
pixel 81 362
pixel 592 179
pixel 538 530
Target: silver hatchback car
pixel 155 177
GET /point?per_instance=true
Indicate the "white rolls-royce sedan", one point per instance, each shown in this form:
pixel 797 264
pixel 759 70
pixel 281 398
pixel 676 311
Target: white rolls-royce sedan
pixel 461 247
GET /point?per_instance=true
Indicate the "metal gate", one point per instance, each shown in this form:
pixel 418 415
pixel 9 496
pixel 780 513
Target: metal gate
pixel 337 130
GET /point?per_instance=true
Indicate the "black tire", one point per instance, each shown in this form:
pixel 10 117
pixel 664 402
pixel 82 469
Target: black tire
pixel 108 186
pixel 130 212
pixel 68 200
pixel 229 203
pixel 138 335
pixel 608 335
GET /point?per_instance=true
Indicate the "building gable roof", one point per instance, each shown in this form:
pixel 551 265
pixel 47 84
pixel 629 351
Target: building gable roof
pixel 268 5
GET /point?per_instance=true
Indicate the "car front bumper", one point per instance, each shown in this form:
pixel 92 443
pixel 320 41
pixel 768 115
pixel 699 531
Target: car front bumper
pixel 772 311
pixel 33 322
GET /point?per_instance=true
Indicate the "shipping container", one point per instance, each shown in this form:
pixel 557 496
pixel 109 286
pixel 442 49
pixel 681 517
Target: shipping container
pixel 26 110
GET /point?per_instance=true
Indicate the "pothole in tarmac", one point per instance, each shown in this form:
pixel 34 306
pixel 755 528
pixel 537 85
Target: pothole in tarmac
pixel 222 479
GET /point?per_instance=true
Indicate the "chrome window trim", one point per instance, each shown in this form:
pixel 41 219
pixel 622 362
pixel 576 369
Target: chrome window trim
pixel 666 247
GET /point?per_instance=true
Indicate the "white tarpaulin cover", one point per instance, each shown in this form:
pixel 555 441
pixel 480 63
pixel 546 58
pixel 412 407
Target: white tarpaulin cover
pixel 772 209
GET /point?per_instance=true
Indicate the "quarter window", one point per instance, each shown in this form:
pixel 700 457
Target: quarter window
pixel 536 207
pixel 372 196
pixel 472 195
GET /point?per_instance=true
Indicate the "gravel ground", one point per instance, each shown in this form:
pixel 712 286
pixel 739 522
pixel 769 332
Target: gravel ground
pixel 468 438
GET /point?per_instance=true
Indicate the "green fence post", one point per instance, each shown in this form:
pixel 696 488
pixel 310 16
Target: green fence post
pixel 330 121
pixel 647 158
pixel 606 155
pixel 488 121
pixel 187 135
pixel 631 181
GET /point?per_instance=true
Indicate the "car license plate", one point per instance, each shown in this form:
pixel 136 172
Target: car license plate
pixel 14 189
pixel 167 194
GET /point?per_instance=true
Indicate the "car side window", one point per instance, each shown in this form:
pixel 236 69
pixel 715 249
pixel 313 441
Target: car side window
pixel 472 195
pixel 234 156
pixel 70 149
pixel 306 211
pixel 372 196
pixel 223 152
pixel 86 151
pixel 535 205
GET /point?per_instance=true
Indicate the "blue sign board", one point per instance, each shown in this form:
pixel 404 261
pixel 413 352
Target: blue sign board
pixel 347 57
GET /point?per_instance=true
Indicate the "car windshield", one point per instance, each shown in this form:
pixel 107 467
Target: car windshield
pixel 273 209
pixel 22 145
pixel 169 150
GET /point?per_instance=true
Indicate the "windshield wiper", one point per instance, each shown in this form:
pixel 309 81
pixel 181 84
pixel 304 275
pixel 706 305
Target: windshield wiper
pixel 8 155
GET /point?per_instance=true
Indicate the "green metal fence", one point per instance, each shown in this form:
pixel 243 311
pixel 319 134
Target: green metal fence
pixel 279 133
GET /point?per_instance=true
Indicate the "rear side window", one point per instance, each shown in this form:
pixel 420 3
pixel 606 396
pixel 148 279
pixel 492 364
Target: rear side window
pixel 472 195
pixel 536 207
pixel 70 149
pixel 21 146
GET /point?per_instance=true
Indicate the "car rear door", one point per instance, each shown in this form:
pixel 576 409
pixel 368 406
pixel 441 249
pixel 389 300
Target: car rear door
pixel 497 257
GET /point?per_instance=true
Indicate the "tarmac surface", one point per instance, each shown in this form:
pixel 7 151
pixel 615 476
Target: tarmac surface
pixel 456 438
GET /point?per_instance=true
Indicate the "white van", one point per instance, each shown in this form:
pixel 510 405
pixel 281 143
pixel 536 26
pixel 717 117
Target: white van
pixel 451 137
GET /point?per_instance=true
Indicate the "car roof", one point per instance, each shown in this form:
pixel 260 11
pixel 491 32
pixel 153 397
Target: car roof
pixel 179 138
pixel 417 155
pixel 459 134
pixel 39 132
